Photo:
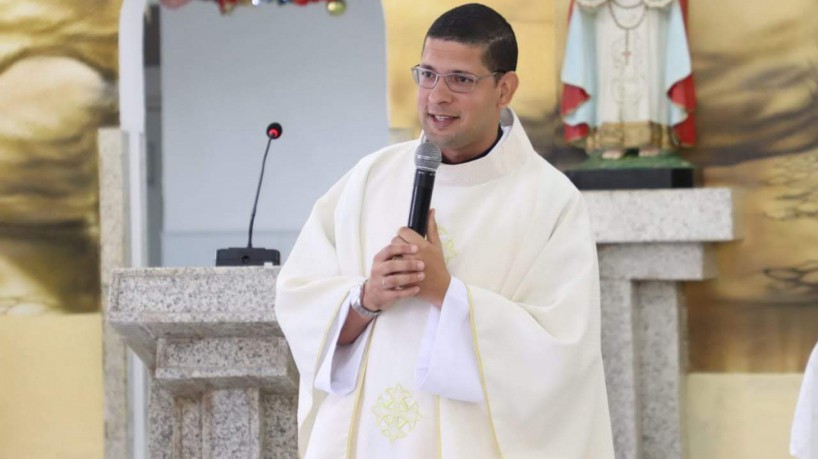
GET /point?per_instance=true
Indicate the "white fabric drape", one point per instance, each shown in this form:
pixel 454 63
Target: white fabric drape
pixel 804 437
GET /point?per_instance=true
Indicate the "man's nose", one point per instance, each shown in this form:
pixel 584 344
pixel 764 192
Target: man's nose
pixel 441 92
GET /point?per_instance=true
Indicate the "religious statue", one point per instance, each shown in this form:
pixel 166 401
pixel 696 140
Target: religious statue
pixel 627 78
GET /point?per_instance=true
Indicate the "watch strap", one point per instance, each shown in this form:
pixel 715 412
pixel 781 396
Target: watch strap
pixel 357 303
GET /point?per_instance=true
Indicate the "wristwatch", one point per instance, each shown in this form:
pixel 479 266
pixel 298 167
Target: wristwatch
pixel 357 302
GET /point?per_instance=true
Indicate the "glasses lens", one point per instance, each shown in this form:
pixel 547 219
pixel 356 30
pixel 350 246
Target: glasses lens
pixel 425 78
pixel 460 82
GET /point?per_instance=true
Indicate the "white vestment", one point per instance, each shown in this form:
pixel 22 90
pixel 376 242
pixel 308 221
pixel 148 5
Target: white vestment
pixel 517 240
pixel 804 437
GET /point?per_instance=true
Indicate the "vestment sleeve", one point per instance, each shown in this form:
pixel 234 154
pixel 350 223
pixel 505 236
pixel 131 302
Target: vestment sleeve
pixel 340 368
pixel 446 363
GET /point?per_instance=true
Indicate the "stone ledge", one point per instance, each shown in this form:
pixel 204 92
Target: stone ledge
pixel 200 291
pixel 192 366
pixel 689 215
pixel 218 353
pixel 150 304
pixel 687 261
pixel 189 384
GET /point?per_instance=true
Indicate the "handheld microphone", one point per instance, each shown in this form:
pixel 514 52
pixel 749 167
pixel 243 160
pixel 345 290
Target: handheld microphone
pixel 427 160
pixel 250 256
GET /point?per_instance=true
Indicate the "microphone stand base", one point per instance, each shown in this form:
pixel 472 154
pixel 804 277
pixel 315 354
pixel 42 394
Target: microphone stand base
pixel 247 256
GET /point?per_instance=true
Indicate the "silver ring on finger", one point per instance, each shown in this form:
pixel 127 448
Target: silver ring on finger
pixel 383 282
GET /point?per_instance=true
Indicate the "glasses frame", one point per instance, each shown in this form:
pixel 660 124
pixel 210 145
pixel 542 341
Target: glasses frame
pixel 416 76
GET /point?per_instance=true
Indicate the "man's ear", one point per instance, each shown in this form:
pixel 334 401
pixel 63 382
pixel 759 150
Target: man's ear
pixel 508 86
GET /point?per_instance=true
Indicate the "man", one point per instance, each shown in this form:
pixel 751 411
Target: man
pixel 480 341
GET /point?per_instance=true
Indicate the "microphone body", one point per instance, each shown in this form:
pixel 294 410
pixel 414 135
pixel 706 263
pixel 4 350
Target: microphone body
pixel 427 160
pixel 421 200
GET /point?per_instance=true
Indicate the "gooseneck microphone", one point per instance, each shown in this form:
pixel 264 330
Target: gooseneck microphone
pixel 250 256
pixel 427 160
pixel 273 132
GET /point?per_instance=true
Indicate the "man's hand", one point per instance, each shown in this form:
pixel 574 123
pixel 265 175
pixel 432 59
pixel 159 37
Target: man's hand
pixel 394 276
pixel 409 266
pixel 430 252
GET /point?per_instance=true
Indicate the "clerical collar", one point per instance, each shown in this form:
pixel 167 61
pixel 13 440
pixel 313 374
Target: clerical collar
pixel 512 152
pixel 496 141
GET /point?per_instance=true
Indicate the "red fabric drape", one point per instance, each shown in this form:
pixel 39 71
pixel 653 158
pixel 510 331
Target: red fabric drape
pixel 683 94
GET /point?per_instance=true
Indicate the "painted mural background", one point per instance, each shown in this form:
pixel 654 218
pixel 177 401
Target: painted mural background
pixel 756 64
pixel 58 64
pixel 58 74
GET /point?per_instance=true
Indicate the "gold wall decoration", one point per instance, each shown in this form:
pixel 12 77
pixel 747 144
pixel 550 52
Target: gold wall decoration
pixel 58 75
pixel 58 65
pixel 756 67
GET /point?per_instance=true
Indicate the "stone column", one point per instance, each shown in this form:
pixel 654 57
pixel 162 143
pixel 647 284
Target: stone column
pixel 113 254
pixel 224 383
pixel 649 242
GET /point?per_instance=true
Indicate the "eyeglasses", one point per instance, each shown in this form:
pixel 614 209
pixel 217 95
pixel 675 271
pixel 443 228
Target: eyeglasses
pixel 457 82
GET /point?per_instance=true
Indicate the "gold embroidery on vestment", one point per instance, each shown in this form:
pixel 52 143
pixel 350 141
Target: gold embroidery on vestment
pixel 396 412
pixel 448 244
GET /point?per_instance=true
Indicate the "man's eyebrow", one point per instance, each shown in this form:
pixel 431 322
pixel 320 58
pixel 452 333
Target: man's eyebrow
pixel 432 68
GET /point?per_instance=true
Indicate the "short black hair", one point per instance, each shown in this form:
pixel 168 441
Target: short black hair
pixel 476 24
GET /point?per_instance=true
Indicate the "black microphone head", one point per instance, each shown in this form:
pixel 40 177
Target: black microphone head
pixel 428 156
pixel 274 130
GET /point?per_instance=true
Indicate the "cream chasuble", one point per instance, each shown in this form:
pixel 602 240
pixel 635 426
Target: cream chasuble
pixel 516 233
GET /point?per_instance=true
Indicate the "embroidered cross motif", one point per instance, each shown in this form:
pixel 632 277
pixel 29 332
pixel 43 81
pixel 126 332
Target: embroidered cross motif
pixel 448 244
pixel 396 412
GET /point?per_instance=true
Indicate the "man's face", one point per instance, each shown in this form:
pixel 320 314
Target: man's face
pixel 462 125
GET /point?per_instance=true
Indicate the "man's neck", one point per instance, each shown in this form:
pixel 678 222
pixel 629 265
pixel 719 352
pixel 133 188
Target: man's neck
pixel 482 154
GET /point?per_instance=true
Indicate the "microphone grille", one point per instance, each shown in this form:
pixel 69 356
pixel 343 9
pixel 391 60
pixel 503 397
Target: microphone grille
pixel 428 156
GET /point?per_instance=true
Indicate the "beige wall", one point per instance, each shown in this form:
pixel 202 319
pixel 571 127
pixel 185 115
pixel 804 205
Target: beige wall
pixel 51 387
pixel 740 416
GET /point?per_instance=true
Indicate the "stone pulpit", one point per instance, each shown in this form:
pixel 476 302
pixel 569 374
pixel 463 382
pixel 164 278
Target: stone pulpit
pixel 223 383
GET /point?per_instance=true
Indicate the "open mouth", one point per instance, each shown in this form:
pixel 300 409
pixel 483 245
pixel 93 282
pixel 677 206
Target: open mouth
pixel 441 121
